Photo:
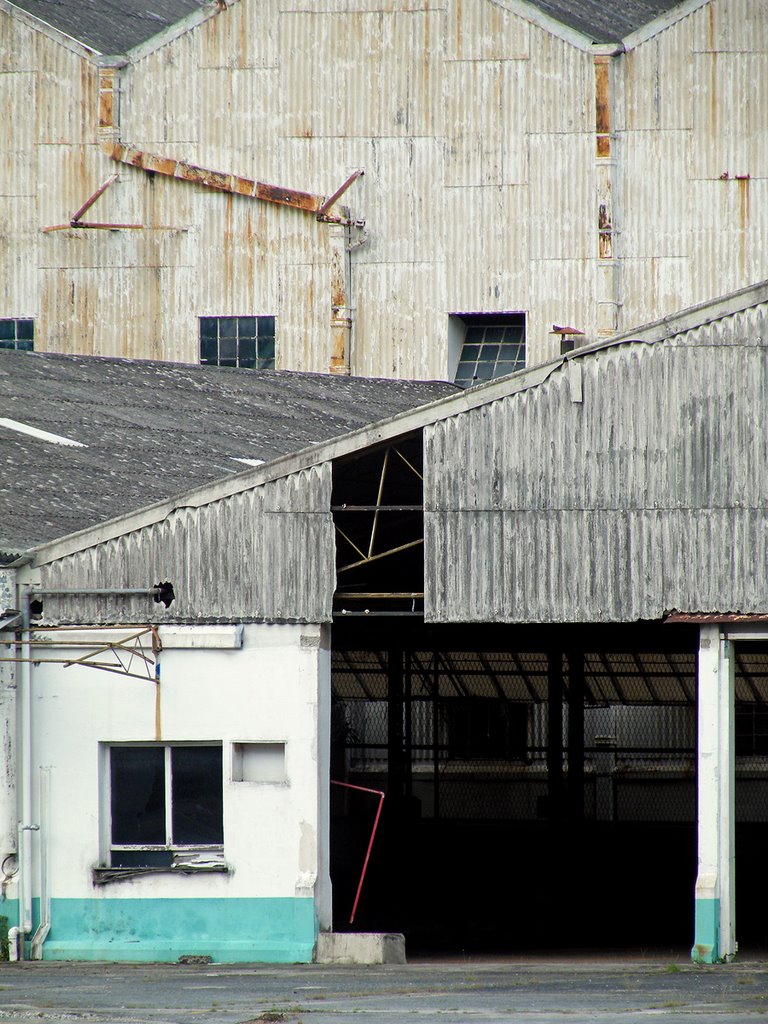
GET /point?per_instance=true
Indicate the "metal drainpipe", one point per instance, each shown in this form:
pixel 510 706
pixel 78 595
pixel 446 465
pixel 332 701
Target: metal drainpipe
pixel 36 948
pixel 24 766
pixel 24 776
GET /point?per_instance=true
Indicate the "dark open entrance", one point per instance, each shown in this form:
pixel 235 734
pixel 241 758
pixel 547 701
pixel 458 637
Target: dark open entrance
pixel 507 825
pixel 540 780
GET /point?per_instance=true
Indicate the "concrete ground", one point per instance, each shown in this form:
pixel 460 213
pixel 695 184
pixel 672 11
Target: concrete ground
pixel 566 990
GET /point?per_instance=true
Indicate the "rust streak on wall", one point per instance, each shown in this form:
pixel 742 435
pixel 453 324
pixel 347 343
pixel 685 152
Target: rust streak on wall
pixel 602 106
pixel 605 233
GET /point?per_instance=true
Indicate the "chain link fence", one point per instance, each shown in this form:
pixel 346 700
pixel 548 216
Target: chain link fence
pixel 466 735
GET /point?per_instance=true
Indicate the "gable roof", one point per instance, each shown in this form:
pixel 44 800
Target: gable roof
pixel 117 26
pixel 605 21
pixel 435 407
pixel 111 26
pixel 123 434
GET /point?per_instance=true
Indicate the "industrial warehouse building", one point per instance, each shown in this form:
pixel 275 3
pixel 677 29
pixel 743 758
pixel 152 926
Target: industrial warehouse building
pixel 533 613
pixel 181 180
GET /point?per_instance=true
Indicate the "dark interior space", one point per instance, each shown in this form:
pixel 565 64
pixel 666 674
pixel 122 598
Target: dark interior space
pixel 505 827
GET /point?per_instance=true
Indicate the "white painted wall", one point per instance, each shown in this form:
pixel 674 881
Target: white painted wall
pixel 8 815
pixel 274 689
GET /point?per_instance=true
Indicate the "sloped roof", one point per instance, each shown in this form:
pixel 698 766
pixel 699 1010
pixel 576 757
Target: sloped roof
pixel 111 26
pixel 116 26
pixel 605 21
pixel 150 430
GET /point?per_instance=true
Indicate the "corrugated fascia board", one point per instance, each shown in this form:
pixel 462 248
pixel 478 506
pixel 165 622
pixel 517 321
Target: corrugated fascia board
pixel 52 33
pixel 663 22
pixel 530 12
pixel 386 430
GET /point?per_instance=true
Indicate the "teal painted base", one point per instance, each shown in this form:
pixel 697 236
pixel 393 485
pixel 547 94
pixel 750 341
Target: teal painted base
pixel 706 945
pixel 9 918
pixel 141 930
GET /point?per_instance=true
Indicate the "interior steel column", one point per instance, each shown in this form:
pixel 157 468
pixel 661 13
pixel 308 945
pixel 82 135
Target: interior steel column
pixel 555 733
pixel 575 735
pixel 395 788
pixel 714 939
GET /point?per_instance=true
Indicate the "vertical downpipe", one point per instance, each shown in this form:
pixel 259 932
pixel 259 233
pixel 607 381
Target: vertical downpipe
pixel 24 774
pixel 341 311
pixel 36 949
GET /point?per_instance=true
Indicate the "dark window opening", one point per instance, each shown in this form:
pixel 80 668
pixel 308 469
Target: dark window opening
pixel 493 345
pixel 164 799
pixel 247 342
pixel 17 334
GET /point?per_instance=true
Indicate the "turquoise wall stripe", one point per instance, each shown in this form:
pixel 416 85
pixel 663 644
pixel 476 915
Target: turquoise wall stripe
pixel 706 944
pixel 10 909
pixel 228 930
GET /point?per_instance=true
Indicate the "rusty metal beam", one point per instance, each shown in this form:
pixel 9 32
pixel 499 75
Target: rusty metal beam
pixel 220 181
pixel 92 199
pixel 75 222
pixel 91 226
pixel 338 193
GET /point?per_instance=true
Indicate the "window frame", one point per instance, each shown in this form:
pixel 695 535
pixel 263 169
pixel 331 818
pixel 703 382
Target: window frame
pixel 18 343
pixel 239 334
pixel 177 851
pixel 460 327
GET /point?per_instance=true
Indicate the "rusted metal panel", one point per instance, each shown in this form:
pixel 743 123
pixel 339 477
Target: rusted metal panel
pixel 477 130
pixel 263 554
pixel 603 105
pixel 647 496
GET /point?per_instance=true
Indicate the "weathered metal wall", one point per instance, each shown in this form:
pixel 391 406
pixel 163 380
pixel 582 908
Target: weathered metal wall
pixel 648 495
pixel 489 147
pixel 266 553
pixel 692 105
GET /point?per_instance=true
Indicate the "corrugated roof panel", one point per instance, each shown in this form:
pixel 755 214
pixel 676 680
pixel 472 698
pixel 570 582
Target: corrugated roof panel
pixel 156 429
pixel 539 508
pixel 265 553
pixel 111 26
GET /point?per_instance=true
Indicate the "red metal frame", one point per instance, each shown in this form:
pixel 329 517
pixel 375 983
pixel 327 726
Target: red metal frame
pixel 380 795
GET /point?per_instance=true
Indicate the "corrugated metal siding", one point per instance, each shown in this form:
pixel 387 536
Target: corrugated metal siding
pixel 264 554
pixel 476 130
pixel 688 127
pixel 649 495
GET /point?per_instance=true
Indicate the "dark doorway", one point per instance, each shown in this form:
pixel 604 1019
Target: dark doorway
pixel 540 783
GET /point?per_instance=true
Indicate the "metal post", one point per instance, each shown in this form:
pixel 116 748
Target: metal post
pixel 714 938
pixel 575 735
pixel 395 726
pixel 555 733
